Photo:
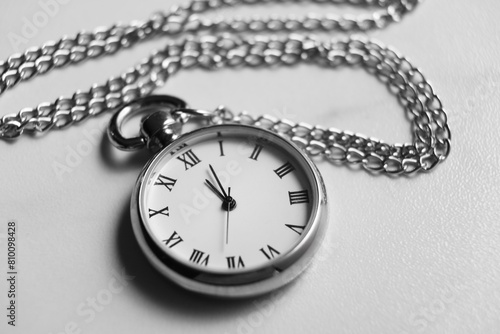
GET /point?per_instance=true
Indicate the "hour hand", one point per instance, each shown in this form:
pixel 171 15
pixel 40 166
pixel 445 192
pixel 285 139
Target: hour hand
pixel 215 190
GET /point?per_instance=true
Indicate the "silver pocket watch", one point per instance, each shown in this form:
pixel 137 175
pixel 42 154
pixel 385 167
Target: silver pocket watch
pixel 229 209
pixel 235 208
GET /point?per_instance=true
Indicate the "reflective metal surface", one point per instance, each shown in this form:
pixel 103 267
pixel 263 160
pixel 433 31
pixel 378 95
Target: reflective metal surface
pixel 157 105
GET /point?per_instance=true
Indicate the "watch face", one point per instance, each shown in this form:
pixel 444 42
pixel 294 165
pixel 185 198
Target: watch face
pixel 227 205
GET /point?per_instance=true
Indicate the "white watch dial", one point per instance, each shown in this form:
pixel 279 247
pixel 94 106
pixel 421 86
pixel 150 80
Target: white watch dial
pixel 227 200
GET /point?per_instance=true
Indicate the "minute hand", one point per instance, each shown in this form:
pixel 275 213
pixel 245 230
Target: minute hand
pixel 218 181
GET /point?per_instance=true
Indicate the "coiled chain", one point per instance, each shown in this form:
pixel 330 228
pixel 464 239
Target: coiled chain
pixel 219 43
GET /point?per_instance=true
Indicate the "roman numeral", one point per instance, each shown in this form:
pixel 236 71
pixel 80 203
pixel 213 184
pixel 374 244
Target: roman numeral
pixel 297 197
pixel 285 169
pixel 220 145
pixel 174 239
pixel 221 148
pixel 163 211
pixel 296 228
pixel 271 254
pixel 189 159
pixel 197 257
pixel 166 181
pixel 231 263
pixel 256 151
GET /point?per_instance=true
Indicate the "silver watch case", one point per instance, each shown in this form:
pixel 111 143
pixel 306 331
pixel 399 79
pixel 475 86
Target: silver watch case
pixel 277 273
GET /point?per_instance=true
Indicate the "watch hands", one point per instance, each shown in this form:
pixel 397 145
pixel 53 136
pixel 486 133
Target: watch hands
pixel 215 190
pixel 218 181
pixel 228 201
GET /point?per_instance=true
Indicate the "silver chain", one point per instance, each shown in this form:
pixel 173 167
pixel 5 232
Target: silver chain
pixel 216 43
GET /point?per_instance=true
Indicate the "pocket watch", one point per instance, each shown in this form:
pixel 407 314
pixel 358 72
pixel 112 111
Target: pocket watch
pixel 229 210
pixel 236 207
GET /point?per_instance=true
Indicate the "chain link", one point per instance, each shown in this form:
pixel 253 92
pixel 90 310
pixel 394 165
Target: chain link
pixel 432 135
pixel 226 43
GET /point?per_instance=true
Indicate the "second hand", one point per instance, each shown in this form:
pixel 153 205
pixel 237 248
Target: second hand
pixel 229 199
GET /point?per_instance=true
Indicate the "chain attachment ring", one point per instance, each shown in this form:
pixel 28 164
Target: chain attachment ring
pixel 157 128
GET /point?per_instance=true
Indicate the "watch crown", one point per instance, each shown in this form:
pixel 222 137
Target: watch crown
pixel 160 129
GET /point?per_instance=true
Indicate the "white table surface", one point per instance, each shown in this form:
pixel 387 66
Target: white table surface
pixel 405 255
